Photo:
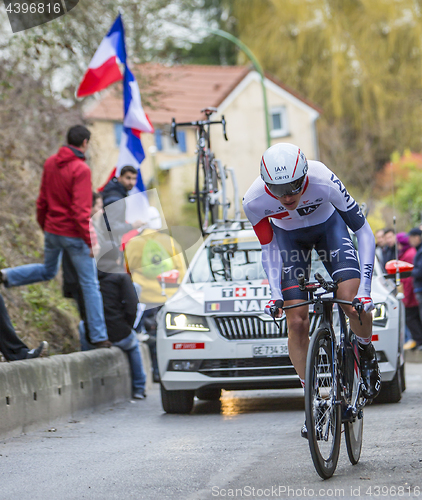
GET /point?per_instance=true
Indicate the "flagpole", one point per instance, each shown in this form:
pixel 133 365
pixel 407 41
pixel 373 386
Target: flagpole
pixel 257 66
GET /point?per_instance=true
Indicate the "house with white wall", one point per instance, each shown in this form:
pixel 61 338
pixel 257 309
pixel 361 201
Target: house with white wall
pixel 181 92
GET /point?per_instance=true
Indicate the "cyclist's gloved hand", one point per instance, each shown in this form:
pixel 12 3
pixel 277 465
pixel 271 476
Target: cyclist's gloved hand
pixel 367 303
pixel 274 308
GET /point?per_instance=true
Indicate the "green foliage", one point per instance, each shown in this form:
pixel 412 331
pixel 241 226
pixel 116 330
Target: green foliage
pixel 59 51
pixel 406 176
pixel 43 299
pixel 213 50
pixel 360 61
pixel 409 197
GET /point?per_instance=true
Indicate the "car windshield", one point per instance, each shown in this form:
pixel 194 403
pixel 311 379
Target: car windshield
pixel 238 260
pixel 228 260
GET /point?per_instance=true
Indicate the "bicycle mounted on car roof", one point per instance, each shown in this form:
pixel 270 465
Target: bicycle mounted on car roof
pixel 207 192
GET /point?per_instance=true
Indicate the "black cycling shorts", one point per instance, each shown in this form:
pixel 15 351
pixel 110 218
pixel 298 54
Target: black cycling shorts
pixel 330 239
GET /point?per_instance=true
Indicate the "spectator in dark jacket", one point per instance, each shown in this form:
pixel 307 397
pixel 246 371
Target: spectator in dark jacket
pixel 407 253
pixel 120 307
pixel 63 212
pixel 415 239
pixel 114 194
pixel 389 248
pixel 11 346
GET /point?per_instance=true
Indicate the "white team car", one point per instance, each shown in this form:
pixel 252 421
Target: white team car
pixel 213 334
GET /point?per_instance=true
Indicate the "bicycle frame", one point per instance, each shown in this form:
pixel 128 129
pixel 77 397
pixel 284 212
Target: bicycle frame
pixel 353 406
pixel 204 136
pixel 207 194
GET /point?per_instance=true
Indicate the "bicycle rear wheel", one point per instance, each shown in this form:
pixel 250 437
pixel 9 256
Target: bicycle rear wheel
pixel 323 418
pixel 353 428
pixel 206 186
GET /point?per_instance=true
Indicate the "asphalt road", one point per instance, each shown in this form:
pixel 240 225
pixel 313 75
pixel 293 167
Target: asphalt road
pixel 246 446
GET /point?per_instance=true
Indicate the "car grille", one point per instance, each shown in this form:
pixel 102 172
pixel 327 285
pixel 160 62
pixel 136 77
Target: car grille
pixel 253 327
pixel 247 367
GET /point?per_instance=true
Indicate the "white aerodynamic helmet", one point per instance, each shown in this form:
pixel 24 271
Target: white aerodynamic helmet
pixel 283 169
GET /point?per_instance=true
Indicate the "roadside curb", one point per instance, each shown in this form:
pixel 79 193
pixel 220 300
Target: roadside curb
pixel 38 392
pixel 413 356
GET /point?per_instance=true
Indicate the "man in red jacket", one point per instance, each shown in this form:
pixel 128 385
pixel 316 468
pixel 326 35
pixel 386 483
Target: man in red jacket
pixel 63 212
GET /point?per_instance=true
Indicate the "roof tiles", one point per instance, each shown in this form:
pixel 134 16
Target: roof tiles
pixel 179 91
pixel 176 91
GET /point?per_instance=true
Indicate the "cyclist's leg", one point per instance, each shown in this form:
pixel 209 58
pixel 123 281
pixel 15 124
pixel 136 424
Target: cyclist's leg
pixel 337 252
pixel 298 340
pixel 296 256
pixel 347 290
pixel 369 368
pixel 339 256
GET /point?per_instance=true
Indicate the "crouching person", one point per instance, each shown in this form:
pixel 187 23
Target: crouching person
pixel 120 307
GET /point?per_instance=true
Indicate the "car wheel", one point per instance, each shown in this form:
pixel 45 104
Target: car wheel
pixel 177 401
pixel 208 394
pixel 391 391
pixel 403 378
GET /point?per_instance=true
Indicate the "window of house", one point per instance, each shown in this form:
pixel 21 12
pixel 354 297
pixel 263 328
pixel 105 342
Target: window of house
pixel 165 143
pixel 118 129
pixel 278 122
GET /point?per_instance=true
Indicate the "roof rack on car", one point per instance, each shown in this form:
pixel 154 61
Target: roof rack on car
pixel 229 225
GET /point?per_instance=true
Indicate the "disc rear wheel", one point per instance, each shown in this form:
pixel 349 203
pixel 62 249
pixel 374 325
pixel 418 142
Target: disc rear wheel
pixel 353 432
pixel 353 427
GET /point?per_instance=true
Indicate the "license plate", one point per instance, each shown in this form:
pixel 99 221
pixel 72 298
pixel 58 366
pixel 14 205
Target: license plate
pixel 268 350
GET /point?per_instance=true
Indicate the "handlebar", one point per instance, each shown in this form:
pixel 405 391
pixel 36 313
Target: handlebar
pixel 328 286
pixel 274 309
pixel 357 304
pixel 199 123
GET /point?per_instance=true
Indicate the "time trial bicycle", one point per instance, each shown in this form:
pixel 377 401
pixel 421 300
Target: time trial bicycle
pixel 333 384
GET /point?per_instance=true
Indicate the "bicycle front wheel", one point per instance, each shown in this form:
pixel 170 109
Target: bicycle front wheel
pixel 206 186
pixel 323 418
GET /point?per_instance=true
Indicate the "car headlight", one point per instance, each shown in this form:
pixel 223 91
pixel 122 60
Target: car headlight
pixel 379 314
pixel 176 323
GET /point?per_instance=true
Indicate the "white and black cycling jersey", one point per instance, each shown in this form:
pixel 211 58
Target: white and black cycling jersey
pixel 322 195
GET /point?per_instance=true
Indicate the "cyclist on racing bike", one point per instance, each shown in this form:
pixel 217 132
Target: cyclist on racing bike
pixel 295 206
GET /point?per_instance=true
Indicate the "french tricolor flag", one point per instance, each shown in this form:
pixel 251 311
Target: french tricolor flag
pixel 135 117
pixel 134 123
pixel 103 70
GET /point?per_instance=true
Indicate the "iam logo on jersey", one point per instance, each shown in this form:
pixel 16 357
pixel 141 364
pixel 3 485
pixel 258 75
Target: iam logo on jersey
pixel 240 292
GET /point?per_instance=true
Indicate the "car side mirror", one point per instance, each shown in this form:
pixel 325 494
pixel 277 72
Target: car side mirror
pixel 404 269
pixel 169 278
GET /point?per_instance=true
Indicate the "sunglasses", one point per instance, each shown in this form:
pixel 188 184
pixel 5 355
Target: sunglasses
pixel 291 188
